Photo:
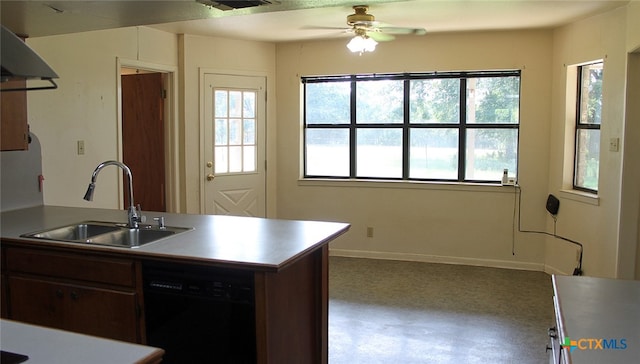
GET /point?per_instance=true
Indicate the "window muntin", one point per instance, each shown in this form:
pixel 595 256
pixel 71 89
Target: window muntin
pixel 412 126
pixel 588 121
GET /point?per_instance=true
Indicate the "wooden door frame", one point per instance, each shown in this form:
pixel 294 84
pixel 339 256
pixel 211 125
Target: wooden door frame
pixel 171 138
pixel 202 73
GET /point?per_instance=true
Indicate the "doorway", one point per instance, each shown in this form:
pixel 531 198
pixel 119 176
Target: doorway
pixel 234 145
pixel 168 159
pixel 143 148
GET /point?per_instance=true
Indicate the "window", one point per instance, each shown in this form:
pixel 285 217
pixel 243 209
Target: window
pixel 235 131
pixel 452 126
pixel 588 120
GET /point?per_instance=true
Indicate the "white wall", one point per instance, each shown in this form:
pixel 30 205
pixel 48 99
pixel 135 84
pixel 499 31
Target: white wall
pixel 84 107
pixel 450 223
pixel 593 222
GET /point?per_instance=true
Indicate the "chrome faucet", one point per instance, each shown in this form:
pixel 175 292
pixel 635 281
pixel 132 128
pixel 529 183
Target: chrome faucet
pixel 133 213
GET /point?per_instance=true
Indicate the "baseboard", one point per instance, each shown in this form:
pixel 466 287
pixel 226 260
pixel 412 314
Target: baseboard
pixel 493 263
pixel 550 270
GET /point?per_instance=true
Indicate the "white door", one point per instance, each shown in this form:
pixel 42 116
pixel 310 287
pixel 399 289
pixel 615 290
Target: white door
pixel 234 166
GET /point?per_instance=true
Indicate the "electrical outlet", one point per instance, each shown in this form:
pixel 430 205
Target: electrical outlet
pixel 369 232
pixel 80 147
pixel 614 144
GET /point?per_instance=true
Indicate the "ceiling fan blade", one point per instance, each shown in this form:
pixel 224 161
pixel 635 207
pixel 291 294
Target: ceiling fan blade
pixel 380 37
pixel 312 27
pixel 401 30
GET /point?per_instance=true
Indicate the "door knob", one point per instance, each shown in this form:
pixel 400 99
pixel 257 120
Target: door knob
pixel 210 177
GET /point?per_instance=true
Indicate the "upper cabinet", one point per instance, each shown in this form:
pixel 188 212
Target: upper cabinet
pixel 15 129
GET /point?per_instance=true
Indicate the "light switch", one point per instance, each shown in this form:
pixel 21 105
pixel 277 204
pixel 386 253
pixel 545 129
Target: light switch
pixel 80 147
pixel 614 144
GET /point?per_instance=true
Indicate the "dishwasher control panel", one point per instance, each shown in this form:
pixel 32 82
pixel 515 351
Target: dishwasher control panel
pixel 199 281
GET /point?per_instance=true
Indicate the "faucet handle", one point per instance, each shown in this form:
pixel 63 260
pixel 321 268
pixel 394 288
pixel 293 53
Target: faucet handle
pixel 160 220
pixel 141 218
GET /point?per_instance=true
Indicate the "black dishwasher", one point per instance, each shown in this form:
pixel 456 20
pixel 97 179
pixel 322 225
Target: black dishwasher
pixel 200 314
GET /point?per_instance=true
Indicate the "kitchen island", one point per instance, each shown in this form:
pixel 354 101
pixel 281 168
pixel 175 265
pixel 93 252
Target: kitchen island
pixel 274 270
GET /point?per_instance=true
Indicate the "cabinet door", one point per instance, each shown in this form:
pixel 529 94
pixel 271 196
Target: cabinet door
pixel 15 130
pixel 78 308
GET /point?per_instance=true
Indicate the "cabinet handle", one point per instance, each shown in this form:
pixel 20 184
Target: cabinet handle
pixel 74 295
pixel 59 293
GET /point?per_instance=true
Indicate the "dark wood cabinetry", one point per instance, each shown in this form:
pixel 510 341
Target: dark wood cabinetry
pixel 13 109
pixel 15 129
pixel 88 294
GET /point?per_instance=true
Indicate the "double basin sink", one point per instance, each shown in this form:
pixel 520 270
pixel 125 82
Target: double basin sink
pixel 107 233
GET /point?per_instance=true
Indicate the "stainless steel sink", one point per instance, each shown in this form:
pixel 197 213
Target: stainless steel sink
pixel 107 233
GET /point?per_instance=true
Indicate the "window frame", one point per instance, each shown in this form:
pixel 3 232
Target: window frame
pixel 406 126
pixel 579 126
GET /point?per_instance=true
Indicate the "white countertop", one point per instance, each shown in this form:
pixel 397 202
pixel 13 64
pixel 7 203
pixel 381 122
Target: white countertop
pixel 243 242
pixel 50 346
pixel 598 308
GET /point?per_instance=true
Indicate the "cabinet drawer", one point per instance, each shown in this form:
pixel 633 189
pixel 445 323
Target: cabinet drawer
pixel 73 266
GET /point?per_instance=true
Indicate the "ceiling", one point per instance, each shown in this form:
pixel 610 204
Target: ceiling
pixel 291 20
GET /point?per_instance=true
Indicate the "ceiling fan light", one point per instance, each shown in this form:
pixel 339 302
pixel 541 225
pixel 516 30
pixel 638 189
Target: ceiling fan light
pixel 362 44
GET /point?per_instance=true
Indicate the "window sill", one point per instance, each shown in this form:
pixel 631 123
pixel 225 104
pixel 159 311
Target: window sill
pixel 580 196
pixel 445 186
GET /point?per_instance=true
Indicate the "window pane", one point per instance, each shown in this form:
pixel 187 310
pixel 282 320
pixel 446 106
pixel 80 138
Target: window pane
pixel 493 100
pixel 587 158
pixel 235 104
pixel 221 103
pixel 328 103
pixel 221 132
pixel 327 152
pixel 249 131
pixel 249 159
pixel 221 164
pixel 489 152
pixel 590 94
pixel 379 102
pixel 249 104
pixel 235 132
pixel 235 159
pixel 434 154
pixel 379 153
pixel 435 101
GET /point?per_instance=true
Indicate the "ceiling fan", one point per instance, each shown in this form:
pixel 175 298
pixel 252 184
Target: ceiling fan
pixel 368 32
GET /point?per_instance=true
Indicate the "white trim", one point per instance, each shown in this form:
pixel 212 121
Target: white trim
pixel 403 184
pixel 553 270
pixel 411 257
pixel 580 196
pixel 172 132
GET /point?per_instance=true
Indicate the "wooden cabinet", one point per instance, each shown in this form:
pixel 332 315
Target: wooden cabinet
pixel 13 109
pixel 83 293
pixel 15 129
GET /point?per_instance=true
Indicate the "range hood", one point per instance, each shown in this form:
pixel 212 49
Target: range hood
pixel 19 62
